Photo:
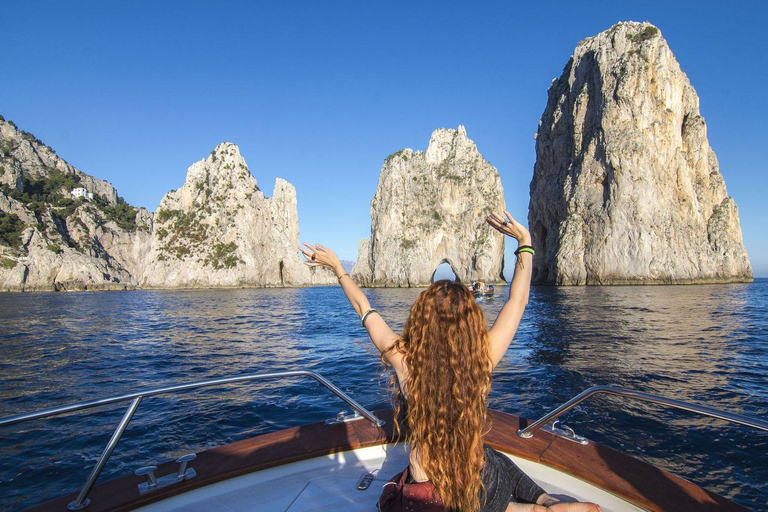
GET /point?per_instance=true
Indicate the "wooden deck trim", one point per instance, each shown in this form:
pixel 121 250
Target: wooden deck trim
pixel 627 477
pixel 654 489
pixel 236 459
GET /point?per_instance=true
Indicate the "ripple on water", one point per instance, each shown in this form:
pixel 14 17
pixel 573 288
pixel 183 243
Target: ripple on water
pixel 707 344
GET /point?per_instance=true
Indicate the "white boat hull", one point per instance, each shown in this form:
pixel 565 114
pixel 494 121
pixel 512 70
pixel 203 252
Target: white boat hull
pixel 330 483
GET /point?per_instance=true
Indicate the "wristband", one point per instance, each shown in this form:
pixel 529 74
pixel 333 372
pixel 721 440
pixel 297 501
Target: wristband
pixel 342 275
pixel 525 248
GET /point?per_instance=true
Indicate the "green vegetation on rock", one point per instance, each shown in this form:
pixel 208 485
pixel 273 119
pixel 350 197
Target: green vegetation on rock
pixel 7 263
pixel 164 215
pixel 122 214
pixel 38 195
pixel 185 235
pixel 7 147
pixel 393 155
pixel 185 231
pixel 11 227
pixel 67 206
pixel 53 191
pixel 223 256
pixel 648 32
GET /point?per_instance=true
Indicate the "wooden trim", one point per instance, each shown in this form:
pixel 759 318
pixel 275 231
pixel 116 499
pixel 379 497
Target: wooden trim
pixel 620 474
pixel 640 483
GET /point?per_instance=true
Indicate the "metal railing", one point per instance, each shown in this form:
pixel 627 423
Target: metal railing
pixel 82 500
pixel 704 410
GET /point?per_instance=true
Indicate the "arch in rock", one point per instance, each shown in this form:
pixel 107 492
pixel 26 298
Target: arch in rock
pixel 444 270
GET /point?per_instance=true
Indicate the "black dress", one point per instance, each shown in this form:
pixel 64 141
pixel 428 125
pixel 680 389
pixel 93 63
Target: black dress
pixel 503 481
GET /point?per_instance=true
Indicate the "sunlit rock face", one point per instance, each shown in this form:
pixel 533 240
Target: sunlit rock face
pixel 52 240
pixel 626 189
pixel 219 230
pixel 430 208
pixel 21 153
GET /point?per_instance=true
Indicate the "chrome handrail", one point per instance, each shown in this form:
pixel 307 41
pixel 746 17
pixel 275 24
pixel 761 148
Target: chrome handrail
pixel 82 500
pixel 741 419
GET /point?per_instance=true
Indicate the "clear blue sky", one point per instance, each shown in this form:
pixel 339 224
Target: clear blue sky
pixel 319 93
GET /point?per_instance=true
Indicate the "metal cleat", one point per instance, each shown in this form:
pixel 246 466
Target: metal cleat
pixel 153 483
pixel 564 431
pixel 344 417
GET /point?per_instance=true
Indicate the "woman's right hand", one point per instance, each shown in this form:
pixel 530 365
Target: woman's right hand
pixel 509 227
pixel 321 257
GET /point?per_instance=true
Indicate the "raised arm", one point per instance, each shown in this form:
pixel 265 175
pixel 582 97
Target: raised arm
pixel 505 326
pixel 381 335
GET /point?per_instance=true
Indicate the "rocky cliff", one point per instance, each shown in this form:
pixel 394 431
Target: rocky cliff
pixel 626 189
pixel 430 208
pixel 50 240
pixel 219 229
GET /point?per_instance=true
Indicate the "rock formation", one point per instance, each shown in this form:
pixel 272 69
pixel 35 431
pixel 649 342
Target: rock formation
pixel 219 230
pixel 626 189
pixel 50 240
pixel 430 208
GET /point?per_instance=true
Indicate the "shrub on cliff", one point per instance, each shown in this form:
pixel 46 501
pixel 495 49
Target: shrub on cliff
pixel 123 214
pixel 11 227
pixel 50 189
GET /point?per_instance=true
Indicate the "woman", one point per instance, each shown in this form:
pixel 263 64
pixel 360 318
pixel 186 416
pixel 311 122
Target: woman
pixel 443 362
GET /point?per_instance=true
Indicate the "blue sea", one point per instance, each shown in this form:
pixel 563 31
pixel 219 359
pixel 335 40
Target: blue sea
pixel 706 344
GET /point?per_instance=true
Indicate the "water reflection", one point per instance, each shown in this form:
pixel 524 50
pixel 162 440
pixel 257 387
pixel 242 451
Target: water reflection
pixel 707 344
pixel 662 339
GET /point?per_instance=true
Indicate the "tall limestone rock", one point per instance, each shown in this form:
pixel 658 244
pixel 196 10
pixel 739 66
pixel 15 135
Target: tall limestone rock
pixel 626 189
pixel 51 240
pixel 219 230
pixel 430 208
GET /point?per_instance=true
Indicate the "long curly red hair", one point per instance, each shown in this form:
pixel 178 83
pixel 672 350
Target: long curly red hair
pixel 445 348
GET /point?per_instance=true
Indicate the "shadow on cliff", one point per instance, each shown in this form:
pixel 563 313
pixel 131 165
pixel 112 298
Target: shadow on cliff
pixel 565 149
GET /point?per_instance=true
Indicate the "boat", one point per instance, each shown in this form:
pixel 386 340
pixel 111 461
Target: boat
pixel 342 463
pixel 481 289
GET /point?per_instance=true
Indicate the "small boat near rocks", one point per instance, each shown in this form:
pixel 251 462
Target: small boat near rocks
pixel 481 289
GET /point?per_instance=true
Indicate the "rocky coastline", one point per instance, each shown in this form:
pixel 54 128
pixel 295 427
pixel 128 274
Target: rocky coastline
pixel 65 230
pixel 626 190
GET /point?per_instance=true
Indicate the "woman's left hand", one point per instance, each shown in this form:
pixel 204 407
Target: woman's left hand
pixel 509 227
pixel 320 256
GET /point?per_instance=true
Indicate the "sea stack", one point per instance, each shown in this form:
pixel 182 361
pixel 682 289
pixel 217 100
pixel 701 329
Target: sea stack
pixel 219 230
pixel 626 189
pixel 430 208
